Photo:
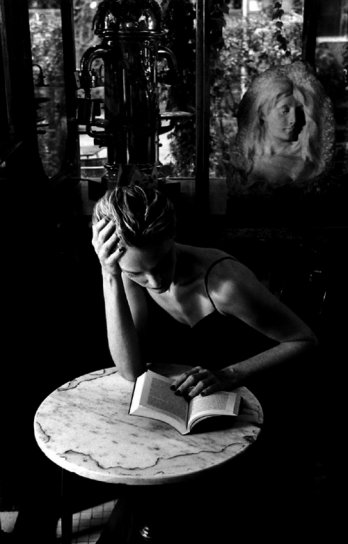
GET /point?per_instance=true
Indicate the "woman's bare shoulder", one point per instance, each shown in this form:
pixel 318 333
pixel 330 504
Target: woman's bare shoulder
pixel 228 279
pixel 194 263
pixel 206 256
pixel 211 263
pixel 229 271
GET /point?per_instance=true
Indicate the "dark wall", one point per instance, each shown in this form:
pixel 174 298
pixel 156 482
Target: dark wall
pixel 51 313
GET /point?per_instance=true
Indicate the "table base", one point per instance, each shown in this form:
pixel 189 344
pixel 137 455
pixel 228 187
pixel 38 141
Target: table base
pixel 133 519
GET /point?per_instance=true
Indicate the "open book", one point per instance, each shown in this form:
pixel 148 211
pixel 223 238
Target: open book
pixel 153 398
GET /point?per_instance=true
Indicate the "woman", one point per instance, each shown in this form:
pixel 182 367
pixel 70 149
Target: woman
pixel 172 302
pixel 199 305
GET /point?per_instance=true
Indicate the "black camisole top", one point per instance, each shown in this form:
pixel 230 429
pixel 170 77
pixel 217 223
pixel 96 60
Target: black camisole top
pixel 214 342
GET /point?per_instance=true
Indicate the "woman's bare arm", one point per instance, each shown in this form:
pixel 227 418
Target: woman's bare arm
pixel 245 297
pixel 122 335
pixel 236 291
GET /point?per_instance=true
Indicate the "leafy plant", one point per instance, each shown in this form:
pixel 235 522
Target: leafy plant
pixel 180 36
pixel 47 54
pixel 83 27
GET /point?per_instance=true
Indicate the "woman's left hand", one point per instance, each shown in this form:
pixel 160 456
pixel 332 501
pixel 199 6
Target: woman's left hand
pixel 197 381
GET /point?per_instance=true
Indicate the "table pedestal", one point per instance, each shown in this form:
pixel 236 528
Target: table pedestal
pixel 184 513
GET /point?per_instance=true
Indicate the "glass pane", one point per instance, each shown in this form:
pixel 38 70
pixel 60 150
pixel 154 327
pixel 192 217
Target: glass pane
pixel 255 37
pixel 167 62
pixel 6 130
pixel 48 75
pixel 177 89
pixel 331 59
pixel 93 155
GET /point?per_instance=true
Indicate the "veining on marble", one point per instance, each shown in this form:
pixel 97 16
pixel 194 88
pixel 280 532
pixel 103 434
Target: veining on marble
pixel 84 427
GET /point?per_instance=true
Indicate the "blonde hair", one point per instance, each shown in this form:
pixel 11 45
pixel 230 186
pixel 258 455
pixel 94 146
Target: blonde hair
pixel 142 215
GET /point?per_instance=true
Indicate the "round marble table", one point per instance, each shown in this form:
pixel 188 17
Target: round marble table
pixel 84 427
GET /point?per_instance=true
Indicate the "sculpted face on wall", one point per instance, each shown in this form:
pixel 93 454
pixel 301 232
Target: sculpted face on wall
pixel 285 132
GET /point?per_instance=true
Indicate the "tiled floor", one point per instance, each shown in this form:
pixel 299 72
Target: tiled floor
pixel 87 524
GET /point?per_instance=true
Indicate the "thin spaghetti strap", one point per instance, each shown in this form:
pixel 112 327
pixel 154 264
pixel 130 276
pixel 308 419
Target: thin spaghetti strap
pixel 208 272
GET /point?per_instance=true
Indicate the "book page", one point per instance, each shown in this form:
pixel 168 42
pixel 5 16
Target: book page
pixel 157 395
pixel 220 403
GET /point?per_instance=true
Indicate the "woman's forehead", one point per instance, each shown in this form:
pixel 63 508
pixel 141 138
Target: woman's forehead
pixel 136 259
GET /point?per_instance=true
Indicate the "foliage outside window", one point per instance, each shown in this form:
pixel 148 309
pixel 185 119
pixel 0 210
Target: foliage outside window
pixel 84 11
pixel 180 36
pixel 47 58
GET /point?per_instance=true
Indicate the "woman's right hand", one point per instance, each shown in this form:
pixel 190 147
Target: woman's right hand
pixel 107 246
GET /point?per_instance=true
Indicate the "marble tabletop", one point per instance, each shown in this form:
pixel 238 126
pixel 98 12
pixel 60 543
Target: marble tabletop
pixel 84 427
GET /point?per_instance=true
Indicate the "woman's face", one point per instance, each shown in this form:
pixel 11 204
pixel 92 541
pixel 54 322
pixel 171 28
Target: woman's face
pixel 282 121
pixel 151 266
